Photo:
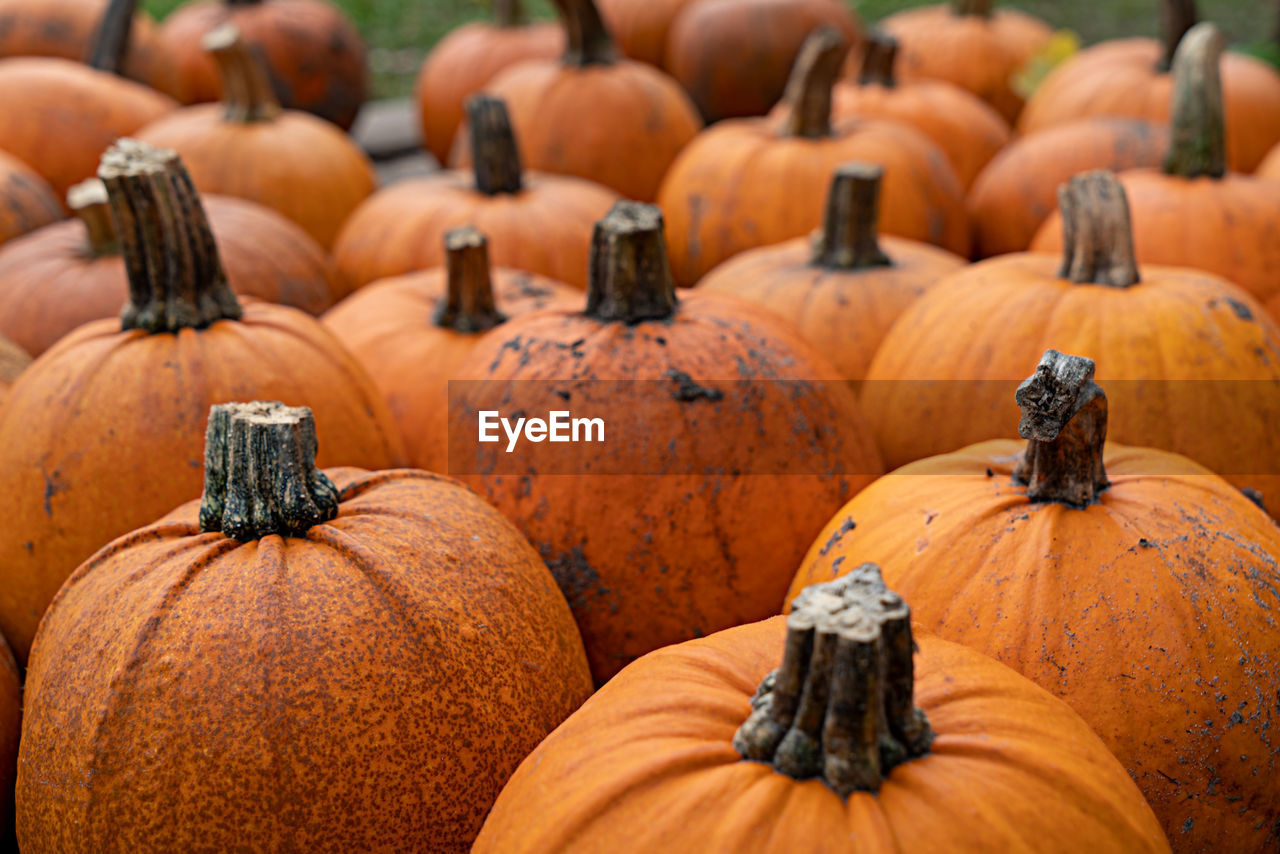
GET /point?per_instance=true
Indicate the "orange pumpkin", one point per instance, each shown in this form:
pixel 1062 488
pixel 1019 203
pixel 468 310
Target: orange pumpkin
pixel 98 416
pixel 969 131
pixel 941 378
pixel 968 43
pixel 844 289
pixel 534 221
pixel 1130 582
pixel 411 333
pixel 13 361
pixel 67 274
pixel 641 26
pixel 466 59
pixel 595 115
pixel 1194 212
pixel 314 55
pixel 848 745
pixel 1132 78
pixel 755 182
pixel 247 146
pixel 1018 190
pixel 1270 166
pixel 298 664
pixel 10 726
pixel 27 202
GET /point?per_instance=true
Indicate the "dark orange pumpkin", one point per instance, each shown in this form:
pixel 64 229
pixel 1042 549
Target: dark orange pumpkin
pixel 411 333
pixel 313 53
pixel 1132 583
pixel 755 182
pixel 857 742
pixel 88 431
pixel 297 664
pixel 641 26
pixel 247 146
pixel 466 59
pixel 843 289
pixel 534 221
pixel 27 202
pixel 594 114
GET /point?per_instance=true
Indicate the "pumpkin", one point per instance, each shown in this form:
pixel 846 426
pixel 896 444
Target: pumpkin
pixel 411 333
pixel 754 182
pixel 641 26
pixel 734 56
pixel 13 361
pixel 963 126
pixel 1129 582
pixel 1194 212
pixel 302 660
pixel 594 114
pixel 247 146
pixel 1018 190
pixel 466 59
pixel 314 56
pixel 1199 355
pixel 1270 166
pixel 96 417
pixel 69 273
pixel 27 202
pixel 848 745
pixel 844 289
pixel 968 43
pixel 10 726
pixel 534 221
pixel 722 438
pixel 1132 77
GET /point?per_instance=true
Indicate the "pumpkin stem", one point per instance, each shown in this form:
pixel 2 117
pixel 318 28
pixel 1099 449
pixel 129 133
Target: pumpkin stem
pixel 808 97
pixel 508 13
pixel 848 237
pixel 587 38
pixel 110 43
pixel 176 280
pixel 841 706
pixel 89 203
pixel 260 475
pixel 973 8
pixel 1198 144
pixel 1176 17
pixel 1064 420
pixel 246 90
pixel 630 279
pixel 1097 236
pixel 469 306
pixel 881 53
pixel 494 151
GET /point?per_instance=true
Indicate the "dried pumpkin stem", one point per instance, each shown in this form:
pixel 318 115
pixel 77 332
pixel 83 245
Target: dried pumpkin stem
pixel 260 475
pixel 469 305
pixel 1097 235
pixel 848 240
pixel 176 280
pixel 841 706
pixel 630 279
pixel 109 46
pixel 494 152
pixel 808 97
pixel 1064 420
pixel 588 41
pixel 1176 17
pixel 878 59
pixel 88 201
pixel 508 13
pixel 1198 126
pixel 247 94
pixel 973 8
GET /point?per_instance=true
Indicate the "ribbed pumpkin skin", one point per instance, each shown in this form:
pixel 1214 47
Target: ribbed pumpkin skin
pixel 1119 78
pixel 264 162
pixel 647 764
pixel 641 26
pixel 314 54
pixel 740 185
pixel 389 327
pixel 50 282
pixel 105 432
pixel 993 320
pixel 844 314
pixel 1018 190
pixel 1151 612
pixel 27 202
pixel 545 228
pixel 59 116
pixel 370 687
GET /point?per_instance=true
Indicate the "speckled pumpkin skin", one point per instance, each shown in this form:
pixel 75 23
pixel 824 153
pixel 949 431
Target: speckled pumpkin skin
pixel 647 764
pixel 27 202
pixel 368 688
pixel 105 433
pixel 1152 612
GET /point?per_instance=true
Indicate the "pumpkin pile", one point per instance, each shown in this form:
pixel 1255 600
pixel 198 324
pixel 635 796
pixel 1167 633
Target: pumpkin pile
pixel 740 427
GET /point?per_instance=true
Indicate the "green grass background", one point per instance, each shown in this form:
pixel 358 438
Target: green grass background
pixel 402 31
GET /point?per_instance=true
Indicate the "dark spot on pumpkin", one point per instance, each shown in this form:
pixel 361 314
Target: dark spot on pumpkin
pixel 1144 543
pixel 1242 311
pixel 1255 496
pixel 564 395
pixel 576 578
pixel 838 534
pixel 990 473
pixel 688 391
pixel 1188 824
